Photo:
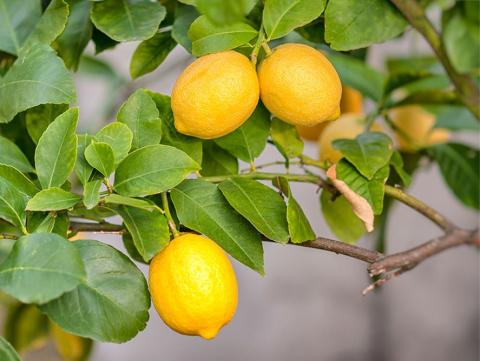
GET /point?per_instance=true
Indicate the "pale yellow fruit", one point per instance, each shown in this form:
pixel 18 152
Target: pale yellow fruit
pixel 348 126
pixel 70 347
pixel 193 286
pixel 351 102
pixel 415 128
pixel 214 95
pixel 299 85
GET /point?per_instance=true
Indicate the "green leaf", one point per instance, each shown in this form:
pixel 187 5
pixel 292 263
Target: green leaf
pixel 352 24
pixel 113 299
pixel 102 41
pixel 132 251
pixel 91 193
pixel 17 21
pixel 18 180
pixel 223 11
pixel 148 228
pixel 52 199
pixel 40 268
pixel 415 80
pixel 248 141
pixel 131 202
pixel 456 118
pixel 201 206
pixel 38 118
pixel 260 205
pixel 396 162
pixel 368 152
pixel 40 222
pixel 11 155
pixel 153 169
pixel 37 77
pixel 7 352
pixel 100 156
pixel 217 161
pixel 82 168
pixel 12 205
pixel 358 75
pixel 208 37
pixel 372 190
pixel 150 54
pixel 77 33
pixel 340 218
pixel 184 17
pixel 460 165
pixel 190 145
pixel 57 150
pixel 282 16
pixel 128 20
pixel 286 139
pixel 119 137
pixel 141 115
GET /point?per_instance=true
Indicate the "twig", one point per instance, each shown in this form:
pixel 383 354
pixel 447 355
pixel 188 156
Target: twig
pixel 166 209
pixel 103 227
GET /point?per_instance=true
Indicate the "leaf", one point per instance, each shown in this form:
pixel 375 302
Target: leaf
pixel 7 352
pixel 119 137
pixel 459 165
pixel 248 141
pixel 352 24
pixel 260 205
pixel 40 268
pixel 190 145
pixel 282 16
pixel 340 218
pixel 217 161
pixel 141 115
pixel 150 54
pixel 91 193
pixel 10 154
pixel 286 139
pixel 12 205
pixel 184 17
pixel 52 199
pixel 223 11
pixel 131 20
pixel 131 202
pixel 37 77
pixel 456 118
pixel 102 41
pixel 57 150
pixel 200 206
pixel 113 299
pixel 148 228
pixel 396 162
pixel 100 156
pixel 368 152
pixel 208 37
pixel 358 75
pixel 153 169
pixel 38 118
pixel 18 180
pixel 78 32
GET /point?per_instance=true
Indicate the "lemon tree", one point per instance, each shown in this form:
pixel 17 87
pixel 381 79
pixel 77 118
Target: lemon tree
pixel 177 177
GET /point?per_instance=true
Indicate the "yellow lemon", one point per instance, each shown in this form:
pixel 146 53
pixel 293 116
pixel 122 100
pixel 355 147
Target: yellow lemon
pixel 351 102
pixel 70 347
pixel 193 286
pixel 348 126
pixel 299 85
pixel 214 95
pixel 415 128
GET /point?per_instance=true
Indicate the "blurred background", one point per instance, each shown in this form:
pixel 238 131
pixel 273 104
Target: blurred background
pixel 309 305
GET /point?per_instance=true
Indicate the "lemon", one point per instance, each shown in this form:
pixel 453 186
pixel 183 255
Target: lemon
pixel 214 95
pixel 348 126
pixel 415 128
pixel 299 85
pixel 70 347
pixel 193 286
pixel 351 102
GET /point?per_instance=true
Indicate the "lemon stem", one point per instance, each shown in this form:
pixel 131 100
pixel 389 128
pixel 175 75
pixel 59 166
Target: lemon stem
pixel 266 48
pixel 166 209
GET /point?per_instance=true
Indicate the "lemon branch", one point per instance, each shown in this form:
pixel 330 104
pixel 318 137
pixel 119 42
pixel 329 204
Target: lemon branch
pixel 166 209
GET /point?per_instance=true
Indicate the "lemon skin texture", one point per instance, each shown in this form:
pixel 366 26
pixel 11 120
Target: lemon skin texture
pixel 348 126
pixel 299 85
pixel 193 286
pixel 415 128
pixel 215 95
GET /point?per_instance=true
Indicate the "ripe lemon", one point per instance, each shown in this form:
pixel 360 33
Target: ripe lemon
pixel 415 128
pixel 214 95
pixel 351 102
pixel 299 85
pixel 348 126
pixel 193 286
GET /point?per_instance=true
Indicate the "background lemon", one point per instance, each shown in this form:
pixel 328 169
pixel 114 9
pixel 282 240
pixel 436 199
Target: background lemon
pixel 348 126
pixel 351 102
pixel 193 286
pixel 214 95
pixel 299 85
pixel 415 128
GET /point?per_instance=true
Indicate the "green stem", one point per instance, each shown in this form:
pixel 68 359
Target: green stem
pixel 166 209
pixel 258 44
pixel 8 236
pixel 305 178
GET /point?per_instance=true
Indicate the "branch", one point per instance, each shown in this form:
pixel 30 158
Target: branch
pixel 467 90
